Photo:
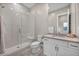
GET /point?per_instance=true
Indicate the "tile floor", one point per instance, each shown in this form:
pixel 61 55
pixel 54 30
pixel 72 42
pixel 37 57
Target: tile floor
pixel 27 52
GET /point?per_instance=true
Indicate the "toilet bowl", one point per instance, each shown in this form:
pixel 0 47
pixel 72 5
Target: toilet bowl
pixel 36 46
pixel 37 43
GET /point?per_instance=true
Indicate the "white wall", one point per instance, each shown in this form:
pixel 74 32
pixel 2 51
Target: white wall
pixel 52 21
pixel 77 19
pixel 73 18
pixel 11 14
pixel 40 17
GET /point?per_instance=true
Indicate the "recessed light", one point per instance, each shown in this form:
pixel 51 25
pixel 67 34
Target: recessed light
pixel 17 14
pixel 48 7
pixel 11 8
pixel 15 3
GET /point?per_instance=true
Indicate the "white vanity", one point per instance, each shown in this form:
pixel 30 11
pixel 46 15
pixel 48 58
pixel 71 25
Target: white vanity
pixel 60 46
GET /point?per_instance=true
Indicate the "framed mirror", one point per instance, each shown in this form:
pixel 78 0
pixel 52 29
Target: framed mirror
pixel 63 23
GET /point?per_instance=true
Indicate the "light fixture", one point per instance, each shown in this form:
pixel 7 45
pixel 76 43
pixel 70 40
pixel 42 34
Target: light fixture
pixel 17 14
pixel 38 12
pixel 11 8
pixel 48 7
pixel 53 14
pixel 15 3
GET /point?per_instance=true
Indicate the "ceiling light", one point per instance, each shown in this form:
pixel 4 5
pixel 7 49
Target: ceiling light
pixel 11 8
pixel 15 3
pixel 48 7
pixel 17 14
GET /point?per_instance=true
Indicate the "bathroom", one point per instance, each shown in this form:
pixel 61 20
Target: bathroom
pixel 23 25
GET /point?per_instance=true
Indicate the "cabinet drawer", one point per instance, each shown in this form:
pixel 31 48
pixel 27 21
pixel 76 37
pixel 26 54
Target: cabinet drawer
pixel 74 45
pixel 61 43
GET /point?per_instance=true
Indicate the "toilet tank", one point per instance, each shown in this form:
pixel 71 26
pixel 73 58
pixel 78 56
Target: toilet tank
pixel 30 36
pixel 39 38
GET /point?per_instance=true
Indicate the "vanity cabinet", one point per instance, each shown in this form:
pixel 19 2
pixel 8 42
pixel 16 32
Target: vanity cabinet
pixel 48 47
pixel 65 51
pixel 54 47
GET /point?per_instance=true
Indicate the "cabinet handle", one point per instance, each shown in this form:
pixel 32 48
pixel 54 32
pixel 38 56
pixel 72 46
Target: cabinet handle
pixel 56 48
pixel 19 30
pixel 46 39
pixel 73 45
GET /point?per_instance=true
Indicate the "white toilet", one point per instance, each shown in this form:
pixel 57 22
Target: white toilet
pixel 36 46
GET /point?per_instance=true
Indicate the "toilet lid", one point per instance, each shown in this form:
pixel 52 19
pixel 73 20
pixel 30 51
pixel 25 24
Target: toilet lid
pixel 35 43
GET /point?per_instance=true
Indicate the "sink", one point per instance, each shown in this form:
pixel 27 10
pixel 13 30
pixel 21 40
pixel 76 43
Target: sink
pixel 49 35
pixel 56 35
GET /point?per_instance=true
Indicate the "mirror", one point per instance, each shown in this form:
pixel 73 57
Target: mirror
pixel 63 23
pixel 59 18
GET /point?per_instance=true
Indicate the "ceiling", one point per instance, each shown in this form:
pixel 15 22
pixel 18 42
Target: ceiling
pixel 28 5
pixel 56 6
pixel 52 6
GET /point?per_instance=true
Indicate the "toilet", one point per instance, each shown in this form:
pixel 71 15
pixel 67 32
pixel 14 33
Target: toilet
pixel 36 45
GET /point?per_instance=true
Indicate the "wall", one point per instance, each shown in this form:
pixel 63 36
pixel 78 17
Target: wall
pixel 52 21
pixel 73 18
pixel 40 17
pixel 14 18
pixel 77 19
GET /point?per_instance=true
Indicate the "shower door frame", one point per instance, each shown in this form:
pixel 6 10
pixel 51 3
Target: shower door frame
pixel 20 28
pixel 1 36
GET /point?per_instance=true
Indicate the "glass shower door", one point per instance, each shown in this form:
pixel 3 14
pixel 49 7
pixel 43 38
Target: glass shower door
pixel 22 28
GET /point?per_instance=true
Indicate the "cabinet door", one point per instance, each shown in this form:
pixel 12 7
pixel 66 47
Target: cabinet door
pixel 64 51
pixel 48 47
pixel 53 47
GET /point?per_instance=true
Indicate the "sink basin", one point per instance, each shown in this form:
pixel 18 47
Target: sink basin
pixel 49 35
pixel 58 36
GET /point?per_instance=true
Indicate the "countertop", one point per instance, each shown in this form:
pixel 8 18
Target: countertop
pixel 59 37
